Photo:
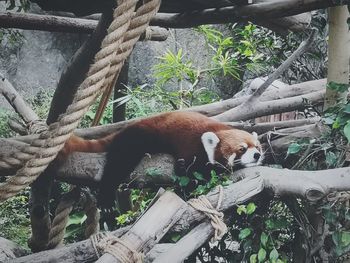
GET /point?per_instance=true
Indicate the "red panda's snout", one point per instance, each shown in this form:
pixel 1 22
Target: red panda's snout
pixel 233 147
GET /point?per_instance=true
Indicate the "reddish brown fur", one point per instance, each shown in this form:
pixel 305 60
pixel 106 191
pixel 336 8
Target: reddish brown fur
pixel 177 133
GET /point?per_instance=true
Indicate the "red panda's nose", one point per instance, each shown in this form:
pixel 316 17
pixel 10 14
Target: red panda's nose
pixel 257 156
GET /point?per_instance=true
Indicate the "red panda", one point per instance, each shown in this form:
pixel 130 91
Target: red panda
pixel 195 139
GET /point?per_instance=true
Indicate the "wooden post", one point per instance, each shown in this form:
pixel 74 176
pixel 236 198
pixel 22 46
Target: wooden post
pixel 153 225
pixel 338 53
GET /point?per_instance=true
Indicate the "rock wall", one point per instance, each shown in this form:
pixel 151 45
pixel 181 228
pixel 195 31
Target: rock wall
pixel 36 63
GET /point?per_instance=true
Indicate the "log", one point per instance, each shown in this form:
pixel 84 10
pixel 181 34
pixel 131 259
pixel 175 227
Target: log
pixel 311 185
pixel 274 92
pixel 16 101
pixel 10 250
pixel 264 108
pixel 52 23
pixel 282 26
pixel 81 251
pixel 263 10
pixel 187 245
pixel 153 225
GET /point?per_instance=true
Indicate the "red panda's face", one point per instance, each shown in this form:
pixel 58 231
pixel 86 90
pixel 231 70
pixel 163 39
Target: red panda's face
pixel 233 147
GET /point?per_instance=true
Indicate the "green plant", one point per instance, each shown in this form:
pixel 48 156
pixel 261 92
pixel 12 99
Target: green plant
pixel 336 215
pixel 14 219
pixel 140 200
pixel 22 5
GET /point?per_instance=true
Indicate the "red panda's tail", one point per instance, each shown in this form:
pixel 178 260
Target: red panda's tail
pixel 78 144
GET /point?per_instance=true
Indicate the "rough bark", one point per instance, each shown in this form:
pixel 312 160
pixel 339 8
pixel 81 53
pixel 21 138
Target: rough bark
pixel 9 250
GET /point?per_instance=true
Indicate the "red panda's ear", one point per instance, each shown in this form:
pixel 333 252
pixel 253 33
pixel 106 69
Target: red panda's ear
pixel 255 135
pixel 210 140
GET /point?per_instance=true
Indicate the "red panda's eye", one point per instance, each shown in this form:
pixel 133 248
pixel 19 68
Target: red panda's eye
pixel 242 149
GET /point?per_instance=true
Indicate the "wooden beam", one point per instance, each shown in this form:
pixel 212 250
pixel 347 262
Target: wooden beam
pixel 64 24
pixel 267 9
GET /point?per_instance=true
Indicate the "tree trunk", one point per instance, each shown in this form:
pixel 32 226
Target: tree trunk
pixel 338 53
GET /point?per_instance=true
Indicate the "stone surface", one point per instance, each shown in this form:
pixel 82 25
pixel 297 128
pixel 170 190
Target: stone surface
pixel 36 63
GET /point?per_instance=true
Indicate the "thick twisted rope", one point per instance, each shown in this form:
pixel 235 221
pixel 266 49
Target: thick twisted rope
pixel 342 197
pixel 43 150
pixel 118 248
pixel 92 214
pixel 62 212
pixel 202 204
pixel 143 14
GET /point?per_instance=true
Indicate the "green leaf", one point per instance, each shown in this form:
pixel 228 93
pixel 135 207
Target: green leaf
pixel 244 233
pixel 345 238
pixel 338 86
pixel 331 159
pixel 263 238
pixel 261 254
pixel 76 219
pixel 293 148
pixel 198 176
pixel 241 209
pixel 253 258
pixel 347 108
pixel 153 172
pixel 274 254
pixel 347 131
pixel 251 208
pixel 275 224
pixel 175 237
pixel 183 181
pixel 328 120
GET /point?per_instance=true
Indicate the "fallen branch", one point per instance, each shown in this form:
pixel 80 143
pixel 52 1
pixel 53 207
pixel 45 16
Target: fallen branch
pixel 264 108
pixel 274 92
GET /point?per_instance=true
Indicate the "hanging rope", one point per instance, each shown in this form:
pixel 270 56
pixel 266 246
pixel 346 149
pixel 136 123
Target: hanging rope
pixel 59 223
pixel 143 14
pixel 118 248
pixel 108 62
pixel 202 204
pixel 92 214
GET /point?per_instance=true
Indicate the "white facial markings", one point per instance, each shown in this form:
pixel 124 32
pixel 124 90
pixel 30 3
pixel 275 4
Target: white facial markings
pixel 210 141
pixel 255 135
pixel 231 160
pixel 248 158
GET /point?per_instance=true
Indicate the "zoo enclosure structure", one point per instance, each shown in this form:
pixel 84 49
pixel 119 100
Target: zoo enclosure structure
pixel 32 155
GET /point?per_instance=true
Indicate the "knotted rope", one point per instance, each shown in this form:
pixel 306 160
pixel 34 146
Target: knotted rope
pixel 41 151
pixel 118 248
pixel 202 204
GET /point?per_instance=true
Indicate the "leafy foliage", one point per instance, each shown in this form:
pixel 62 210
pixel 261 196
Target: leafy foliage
pixel 14 219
